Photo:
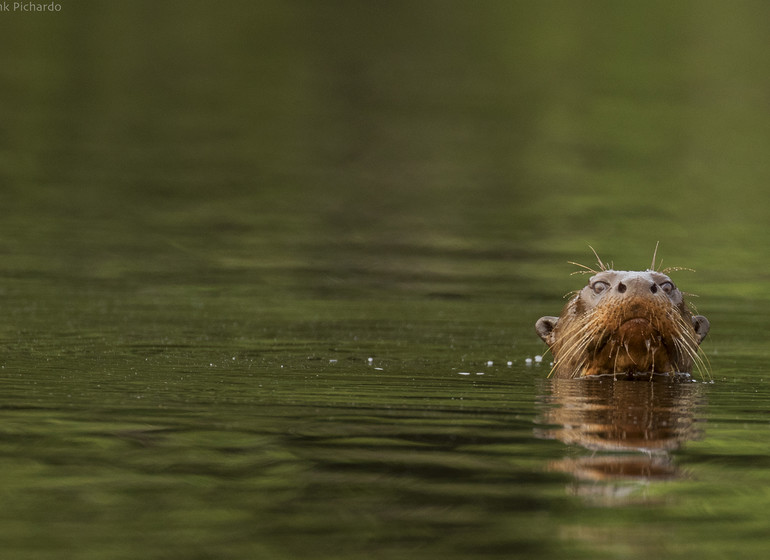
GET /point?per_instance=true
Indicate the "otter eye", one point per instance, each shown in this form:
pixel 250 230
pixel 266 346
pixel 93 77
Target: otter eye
pixel 667 287
pixel 599 286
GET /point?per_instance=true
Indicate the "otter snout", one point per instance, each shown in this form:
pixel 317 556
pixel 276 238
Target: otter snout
pixel 636 286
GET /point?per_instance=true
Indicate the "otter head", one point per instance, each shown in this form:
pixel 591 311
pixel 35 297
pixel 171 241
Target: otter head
pixel 624 322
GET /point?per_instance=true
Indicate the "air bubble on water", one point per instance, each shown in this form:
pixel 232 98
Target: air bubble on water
pixel 528 361
pixel 490 362
pixel 538 359
pixel 463 373
pixel 510 363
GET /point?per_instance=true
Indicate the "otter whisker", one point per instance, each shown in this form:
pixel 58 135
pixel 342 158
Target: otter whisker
pixel 654 254
pixel 670 269
pixel 699 359
pixel 615 363
pixel 588 269
pixel 630 356
pixel 576 347
pixel 703 365
pixel 625 322
pixel 602 265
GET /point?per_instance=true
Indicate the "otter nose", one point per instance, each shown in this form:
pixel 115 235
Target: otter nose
pixel 636 286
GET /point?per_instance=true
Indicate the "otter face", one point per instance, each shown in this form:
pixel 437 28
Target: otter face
pixel 624 322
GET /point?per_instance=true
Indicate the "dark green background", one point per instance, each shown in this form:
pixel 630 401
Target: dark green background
pixel 212 214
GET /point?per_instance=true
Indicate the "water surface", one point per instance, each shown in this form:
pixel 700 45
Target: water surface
pixel 264 268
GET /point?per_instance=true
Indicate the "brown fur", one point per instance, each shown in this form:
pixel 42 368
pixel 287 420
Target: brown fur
pixel 624 323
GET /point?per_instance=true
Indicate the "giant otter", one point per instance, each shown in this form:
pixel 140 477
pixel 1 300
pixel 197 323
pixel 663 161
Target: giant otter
pixel 624 323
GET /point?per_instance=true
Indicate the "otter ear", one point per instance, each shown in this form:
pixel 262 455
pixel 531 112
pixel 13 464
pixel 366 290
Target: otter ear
pixel 545 327
pixel 701 326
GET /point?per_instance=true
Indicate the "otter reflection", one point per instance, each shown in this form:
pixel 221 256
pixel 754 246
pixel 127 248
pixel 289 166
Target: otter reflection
pixel 631 426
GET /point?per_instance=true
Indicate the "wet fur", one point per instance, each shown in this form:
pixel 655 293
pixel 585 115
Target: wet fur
pixel 643 329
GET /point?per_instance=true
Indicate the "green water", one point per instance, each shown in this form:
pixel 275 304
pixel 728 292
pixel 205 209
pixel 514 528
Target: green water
pixel 248 249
